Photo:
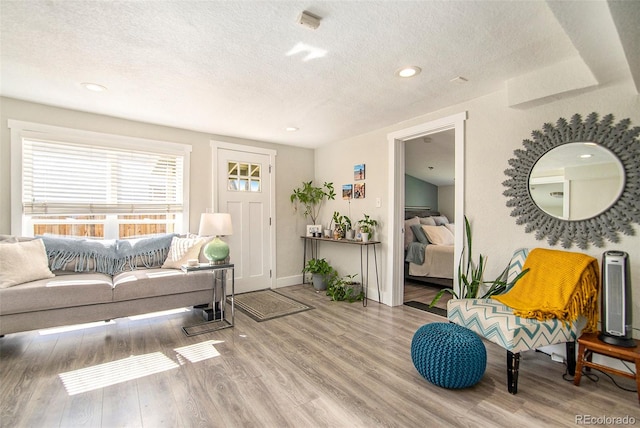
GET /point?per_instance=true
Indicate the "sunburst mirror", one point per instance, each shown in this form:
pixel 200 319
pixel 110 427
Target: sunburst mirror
pixel 577 182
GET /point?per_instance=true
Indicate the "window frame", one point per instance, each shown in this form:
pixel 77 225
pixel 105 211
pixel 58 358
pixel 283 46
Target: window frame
pixel 21 129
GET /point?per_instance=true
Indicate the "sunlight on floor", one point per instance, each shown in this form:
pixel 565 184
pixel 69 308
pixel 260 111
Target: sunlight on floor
pixel 198 352
pixel 103 375
pixel 75 327
pixel 159 314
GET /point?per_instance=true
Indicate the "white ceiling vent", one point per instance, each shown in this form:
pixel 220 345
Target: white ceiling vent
pixel 309 20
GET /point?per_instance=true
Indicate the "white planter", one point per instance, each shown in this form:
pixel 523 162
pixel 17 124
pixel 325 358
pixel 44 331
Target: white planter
pixel 351 234
pixel 365 236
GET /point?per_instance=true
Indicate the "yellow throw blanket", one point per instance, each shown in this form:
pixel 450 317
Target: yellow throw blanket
pixel 559 284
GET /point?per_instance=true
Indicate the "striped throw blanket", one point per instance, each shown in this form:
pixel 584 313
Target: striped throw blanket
pixel 560 284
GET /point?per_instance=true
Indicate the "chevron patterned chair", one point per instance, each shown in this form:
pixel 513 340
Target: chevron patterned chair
pixel 497 323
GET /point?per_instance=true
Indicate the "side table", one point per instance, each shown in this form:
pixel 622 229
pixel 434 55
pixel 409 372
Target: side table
pixel 588 344
pixel 221 271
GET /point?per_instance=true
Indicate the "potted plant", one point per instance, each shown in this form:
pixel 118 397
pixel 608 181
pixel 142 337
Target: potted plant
pixel 345 288
pixel 471 280
pixel 320 271
pixel 367 226
pixel 342 225
pixel 349 232
pixel 311 198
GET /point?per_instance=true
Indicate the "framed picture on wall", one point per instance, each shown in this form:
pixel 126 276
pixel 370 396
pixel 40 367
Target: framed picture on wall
pixel 358 191
pixel 358 172
pixel 347 191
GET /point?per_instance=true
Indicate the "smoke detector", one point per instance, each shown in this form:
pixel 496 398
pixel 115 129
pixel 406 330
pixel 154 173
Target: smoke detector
pixel 309 20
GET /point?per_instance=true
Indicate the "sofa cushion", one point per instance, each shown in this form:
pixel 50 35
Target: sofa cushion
pixel 61 291
pixel 157 282
pixel 22 262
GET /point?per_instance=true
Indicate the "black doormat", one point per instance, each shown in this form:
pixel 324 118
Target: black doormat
pixel 425 307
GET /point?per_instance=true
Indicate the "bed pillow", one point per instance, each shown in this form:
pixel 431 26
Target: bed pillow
pixel 438 235
pixel 419 233
pixel 440 219
pixel 428 221
pixel 22 262
pixel 182 249
pixel 409 236
pixel 451 227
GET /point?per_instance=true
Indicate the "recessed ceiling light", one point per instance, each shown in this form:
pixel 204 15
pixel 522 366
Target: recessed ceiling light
pixel 408 71
pixel 94 87
pixel 586 156
pixel 291 129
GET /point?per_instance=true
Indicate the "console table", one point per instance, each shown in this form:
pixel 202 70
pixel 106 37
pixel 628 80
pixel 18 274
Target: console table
pixel 221 271
pixel 313 242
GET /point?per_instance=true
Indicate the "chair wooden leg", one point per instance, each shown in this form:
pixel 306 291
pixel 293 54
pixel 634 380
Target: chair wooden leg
pixel 513 363
pixel 571 357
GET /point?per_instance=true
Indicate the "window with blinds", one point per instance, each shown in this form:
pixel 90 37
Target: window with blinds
pixel 112 188
pixel 64 178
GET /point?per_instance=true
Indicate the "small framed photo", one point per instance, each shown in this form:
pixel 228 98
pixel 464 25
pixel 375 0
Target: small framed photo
pixel 314 230
pixel 347 191
pixel 358 191
pixel 358 172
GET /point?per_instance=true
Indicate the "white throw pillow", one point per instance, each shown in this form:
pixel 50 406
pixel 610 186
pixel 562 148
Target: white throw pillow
pixel 429 221
pixel 438 235
pixel 182 249
pixel 22 262
pixel 451 227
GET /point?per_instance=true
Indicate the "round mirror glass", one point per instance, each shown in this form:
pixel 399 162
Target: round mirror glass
pixel 576 181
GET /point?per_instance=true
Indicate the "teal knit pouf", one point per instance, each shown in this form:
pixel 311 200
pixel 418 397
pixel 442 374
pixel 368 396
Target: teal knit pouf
pixel 448 355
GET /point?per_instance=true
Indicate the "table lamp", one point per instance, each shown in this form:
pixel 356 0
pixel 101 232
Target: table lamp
pixel 215 224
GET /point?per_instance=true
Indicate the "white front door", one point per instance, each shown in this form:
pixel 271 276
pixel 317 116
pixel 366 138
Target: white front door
pixel 244 191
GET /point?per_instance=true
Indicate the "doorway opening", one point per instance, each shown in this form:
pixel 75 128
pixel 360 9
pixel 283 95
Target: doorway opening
pixel 429 201
pixel 394 295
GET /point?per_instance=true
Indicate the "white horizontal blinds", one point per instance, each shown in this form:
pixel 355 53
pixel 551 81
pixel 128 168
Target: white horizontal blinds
pixel 70 178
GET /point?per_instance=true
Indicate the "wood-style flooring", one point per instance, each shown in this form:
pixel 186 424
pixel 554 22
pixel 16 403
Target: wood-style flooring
pixel 424 293
pixel 338 365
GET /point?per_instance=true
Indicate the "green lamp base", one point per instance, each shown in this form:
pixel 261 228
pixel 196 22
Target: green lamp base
pixel 216 251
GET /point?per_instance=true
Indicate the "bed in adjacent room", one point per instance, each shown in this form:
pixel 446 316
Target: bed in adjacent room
pixel 429 247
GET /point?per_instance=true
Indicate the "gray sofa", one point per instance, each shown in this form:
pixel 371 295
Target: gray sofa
pixel 79 292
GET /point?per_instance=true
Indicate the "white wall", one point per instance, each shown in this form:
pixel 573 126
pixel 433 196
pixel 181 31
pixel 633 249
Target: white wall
pixel 446 201
pixel 293 165
pixel 493 132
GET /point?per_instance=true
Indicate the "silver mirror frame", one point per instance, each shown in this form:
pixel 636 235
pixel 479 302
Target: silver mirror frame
pixel 620 140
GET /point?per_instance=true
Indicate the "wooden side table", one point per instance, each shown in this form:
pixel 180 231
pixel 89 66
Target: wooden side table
pixel 589 343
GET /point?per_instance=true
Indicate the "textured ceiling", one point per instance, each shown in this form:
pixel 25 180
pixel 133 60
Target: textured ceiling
pixel 231 68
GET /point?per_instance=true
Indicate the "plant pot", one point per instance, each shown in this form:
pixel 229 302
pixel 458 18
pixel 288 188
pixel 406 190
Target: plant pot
pixel 357 287
pixel 319 281
pixel 351 234
pixel 365 236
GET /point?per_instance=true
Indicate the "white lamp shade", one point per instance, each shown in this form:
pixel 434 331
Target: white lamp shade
pixel 215 224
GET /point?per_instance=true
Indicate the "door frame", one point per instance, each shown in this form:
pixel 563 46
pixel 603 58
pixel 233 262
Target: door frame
pixel 395 233
pixel 217 145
